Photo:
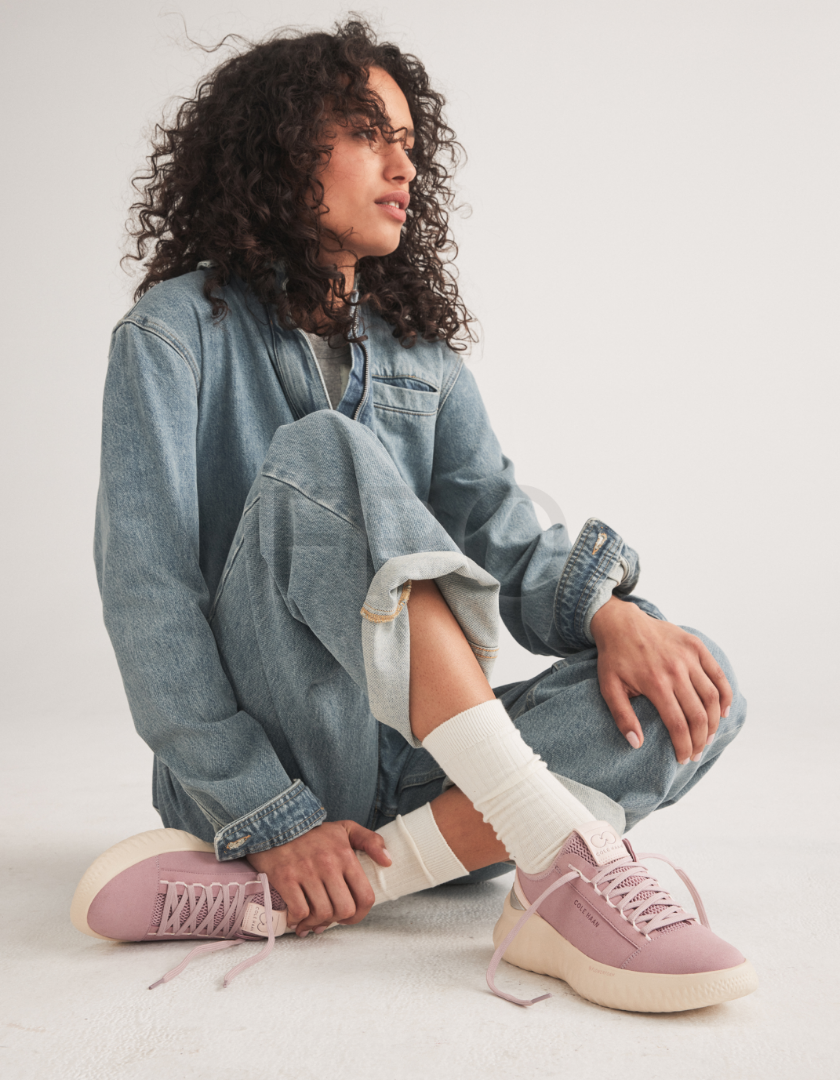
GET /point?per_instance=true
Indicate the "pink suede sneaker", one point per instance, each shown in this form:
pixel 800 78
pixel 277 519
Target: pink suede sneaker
pixel 599 921
pixel 167 885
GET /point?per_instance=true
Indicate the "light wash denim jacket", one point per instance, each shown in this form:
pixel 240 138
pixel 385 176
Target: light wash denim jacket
pixel 189 412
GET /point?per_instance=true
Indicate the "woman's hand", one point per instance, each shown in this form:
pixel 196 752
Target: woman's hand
pixel 674 670
pixel 319 876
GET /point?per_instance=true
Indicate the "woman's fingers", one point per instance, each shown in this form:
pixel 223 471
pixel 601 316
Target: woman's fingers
pixel 618 702
pixel 372 843
pixel 689 710
pixel 361 891
pixel 320 907
pixel 297 909
pixel 695 717
pixel 716 675
pixel 319 874
pixel 671 667
pixel 341 903
pixel 345 905
pixel 672 714
pixel 710 697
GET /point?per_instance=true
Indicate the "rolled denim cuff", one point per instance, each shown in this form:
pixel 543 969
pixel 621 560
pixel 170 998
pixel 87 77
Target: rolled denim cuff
pixel 647 607
pixel 290 814
pixel 587 581
pixel 611 581
pixel 472 595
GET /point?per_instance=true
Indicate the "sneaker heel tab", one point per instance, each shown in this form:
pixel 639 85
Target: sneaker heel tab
pixel 602 841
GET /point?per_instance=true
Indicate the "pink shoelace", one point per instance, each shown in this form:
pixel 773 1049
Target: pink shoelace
pixel 611 883
pixel 228 905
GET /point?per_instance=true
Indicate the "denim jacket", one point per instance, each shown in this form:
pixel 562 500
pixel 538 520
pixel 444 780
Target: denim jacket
pixel 190 409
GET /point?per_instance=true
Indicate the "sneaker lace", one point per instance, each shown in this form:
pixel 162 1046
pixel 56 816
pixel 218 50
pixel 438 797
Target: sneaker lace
pixel 641 901
pixel 223 919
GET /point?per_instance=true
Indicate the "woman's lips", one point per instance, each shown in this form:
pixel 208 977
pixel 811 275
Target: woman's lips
pixel 393 211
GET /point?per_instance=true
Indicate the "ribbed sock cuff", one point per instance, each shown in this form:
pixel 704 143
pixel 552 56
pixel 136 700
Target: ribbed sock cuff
pixel 531 812
pixel 421 857
pixel 469 727
pixel 441 862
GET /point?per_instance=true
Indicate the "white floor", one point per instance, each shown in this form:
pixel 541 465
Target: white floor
pixel 403 994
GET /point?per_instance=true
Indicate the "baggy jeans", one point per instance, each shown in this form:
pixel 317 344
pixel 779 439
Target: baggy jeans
pixel 312 627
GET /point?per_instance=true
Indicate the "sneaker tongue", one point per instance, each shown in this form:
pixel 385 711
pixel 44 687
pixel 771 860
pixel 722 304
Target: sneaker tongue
pixel 254 922
pixel 601 841
pixel 597 844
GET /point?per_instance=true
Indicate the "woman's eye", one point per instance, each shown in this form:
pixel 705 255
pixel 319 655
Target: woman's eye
pixel 370 134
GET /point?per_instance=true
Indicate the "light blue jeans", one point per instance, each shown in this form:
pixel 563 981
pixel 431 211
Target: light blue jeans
pixel 311 624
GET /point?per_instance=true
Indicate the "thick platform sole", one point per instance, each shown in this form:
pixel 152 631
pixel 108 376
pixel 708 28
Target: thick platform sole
pixel 120 857
pixel 539 948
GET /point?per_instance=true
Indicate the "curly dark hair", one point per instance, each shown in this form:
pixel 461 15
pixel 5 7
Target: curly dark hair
pixel 233 181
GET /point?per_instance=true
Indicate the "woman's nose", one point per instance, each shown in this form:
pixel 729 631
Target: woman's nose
pixel 400 166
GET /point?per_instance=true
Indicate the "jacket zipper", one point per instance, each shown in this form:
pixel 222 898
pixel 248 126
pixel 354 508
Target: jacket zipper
pixel 366 377
pixel 366 388
pixel 366 384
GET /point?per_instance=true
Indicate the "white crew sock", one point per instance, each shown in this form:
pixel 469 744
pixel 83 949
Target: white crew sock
pixel 483 753
pixel 420 857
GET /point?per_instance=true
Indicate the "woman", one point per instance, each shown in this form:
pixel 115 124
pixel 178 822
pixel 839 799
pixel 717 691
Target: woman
pixel 296 466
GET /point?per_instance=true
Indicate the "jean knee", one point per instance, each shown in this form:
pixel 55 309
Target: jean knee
pixel 325 426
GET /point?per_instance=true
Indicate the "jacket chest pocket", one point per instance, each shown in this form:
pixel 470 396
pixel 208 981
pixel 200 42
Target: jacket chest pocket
pixel 406 411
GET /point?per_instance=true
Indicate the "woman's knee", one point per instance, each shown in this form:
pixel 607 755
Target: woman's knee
pixel 324 429
pixel 331 460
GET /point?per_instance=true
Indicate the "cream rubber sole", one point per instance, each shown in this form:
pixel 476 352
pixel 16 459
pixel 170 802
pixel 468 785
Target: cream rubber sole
pixel 120 857
pixel 538 947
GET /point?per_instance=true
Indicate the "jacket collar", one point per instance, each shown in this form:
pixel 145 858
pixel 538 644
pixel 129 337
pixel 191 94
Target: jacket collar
pixel 298 371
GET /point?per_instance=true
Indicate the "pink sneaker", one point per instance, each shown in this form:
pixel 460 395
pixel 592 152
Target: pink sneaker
pixel 166 885
pixel 598 920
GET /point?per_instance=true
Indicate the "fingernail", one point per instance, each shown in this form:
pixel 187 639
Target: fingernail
pixel 696 757
pixel 711 739
pixel 320 929
pixel 726 714
pixel 683 762
pixel 633 739
pixel 303 934
pixel 388 854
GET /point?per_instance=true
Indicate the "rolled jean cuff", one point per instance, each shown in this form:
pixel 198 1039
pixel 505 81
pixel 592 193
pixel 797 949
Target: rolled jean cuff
pixel 612 579
pixel 592 560
pixel 471 594
pixel 290 814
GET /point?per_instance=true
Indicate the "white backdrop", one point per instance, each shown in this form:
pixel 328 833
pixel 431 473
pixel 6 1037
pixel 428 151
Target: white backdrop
pixel 652 252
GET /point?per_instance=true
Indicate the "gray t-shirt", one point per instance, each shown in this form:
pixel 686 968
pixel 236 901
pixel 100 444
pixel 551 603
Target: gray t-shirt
pixel 334 360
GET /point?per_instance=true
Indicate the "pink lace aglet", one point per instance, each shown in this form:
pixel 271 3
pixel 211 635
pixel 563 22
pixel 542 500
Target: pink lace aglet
pixel 212 946
pixel 227 943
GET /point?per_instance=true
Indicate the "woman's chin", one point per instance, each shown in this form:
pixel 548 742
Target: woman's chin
pixel 378 248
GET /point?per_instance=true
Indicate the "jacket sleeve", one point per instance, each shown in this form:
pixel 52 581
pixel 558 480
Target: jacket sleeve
pixel 156 602
pixel 549 587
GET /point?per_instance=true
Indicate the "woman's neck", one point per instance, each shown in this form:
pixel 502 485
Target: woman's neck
pixel 320 320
